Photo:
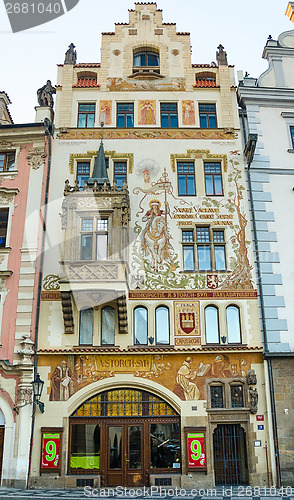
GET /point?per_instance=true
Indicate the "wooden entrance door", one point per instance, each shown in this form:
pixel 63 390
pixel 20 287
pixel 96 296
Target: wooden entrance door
pixel 1 449
pixel 125 455
pixel 230 457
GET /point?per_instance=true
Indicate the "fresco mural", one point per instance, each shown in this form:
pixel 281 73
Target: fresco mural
pixel 188 113
pixel 147 112
pixel 155 262
pixel 165 84
pixel 105 112
pixel 184 375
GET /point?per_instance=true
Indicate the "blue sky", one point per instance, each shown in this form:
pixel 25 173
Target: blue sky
pixel 29 58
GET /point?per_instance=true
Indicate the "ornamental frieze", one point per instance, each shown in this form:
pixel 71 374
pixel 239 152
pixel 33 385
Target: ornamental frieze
pixel 136 133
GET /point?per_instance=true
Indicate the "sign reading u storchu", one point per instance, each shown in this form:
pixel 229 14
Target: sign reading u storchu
pixel 25 15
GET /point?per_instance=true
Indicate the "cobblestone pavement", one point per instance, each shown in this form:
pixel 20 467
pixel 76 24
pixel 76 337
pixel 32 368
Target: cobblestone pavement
pixel 167 493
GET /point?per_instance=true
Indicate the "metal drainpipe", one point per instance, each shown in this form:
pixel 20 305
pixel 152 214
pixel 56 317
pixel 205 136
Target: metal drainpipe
pixel 264 331
pixel 49 134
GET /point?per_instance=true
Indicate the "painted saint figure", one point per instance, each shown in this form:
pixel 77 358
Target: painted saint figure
pixel 155 235
pixel 61 383
pixel 185 378
pixel 147 115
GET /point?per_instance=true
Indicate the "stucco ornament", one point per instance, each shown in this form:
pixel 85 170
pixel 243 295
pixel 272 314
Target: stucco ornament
pixel 4 145
pixel 36 158
pixel 51 282
pixel 26 352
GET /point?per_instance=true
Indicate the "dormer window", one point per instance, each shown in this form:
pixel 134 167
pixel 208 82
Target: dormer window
pixel 146 61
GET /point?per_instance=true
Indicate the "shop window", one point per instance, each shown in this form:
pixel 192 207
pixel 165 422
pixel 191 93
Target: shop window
pixel 120 173
pixel 7 161
pixel 233 325
pixel 169 114
pixel 216 396
pixel 211 325
pixel 213 179
pixel 94 238
pixel 86 115
pixel 165 446
pixel 162 325
pixel 85 447
pixel 3 226
pixel 108 326
pixel 186 179
pixel 140 326
pixel 237 397
pixel 86 326
pixel 125 115
pixel 207 113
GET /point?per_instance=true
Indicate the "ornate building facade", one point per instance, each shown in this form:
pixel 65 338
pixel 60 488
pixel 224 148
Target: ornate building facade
pixel 23 169
pixel 268 123
pixel 149 340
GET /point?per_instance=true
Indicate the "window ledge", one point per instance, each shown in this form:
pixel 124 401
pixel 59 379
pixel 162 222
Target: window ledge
pixel 8 174
pixel 290 150
pixel 5 250
pixel 228 410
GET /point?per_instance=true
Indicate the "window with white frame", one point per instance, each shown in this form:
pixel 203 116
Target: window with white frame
pixel 94 238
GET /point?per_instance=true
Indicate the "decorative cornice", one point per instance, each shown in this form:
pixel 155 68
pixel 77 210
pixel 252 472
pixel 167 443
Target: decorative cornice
pixel 143 133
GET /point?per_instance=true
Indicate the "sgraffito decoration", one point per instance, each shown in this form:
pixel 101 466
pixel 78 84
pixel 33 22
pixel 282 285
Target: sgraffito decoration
pixel 120 84
pixel 184 375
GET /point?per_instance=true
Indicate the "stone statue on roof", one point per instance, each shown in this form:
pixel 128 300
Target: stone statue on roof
pixel 221 56
pixel 45 94
pixel 70 55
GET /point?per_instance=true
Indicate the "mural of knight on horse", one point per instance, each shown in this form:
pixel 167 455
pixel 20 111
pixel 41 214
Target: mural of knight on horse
pixel 155 235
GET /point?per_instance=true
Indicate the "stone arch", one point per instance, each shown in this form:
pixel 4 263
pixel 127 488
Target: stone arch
pixel 117 382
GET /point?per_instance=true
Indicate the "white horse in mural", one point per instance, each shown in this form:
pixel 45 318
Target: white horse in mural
pixel 155 241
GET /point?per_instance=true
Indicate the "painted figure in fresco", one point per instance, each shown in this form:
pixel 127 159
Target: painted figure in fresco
pixel 155 236
pixel 221 366
pixel 188 113
pixel 61 383
pixel 147 115
pixel 105 112
pixel 185 378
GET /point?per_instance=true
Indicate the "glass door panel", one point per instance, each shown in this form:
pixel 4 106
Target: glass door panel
pixel 135 447
pixel 115 447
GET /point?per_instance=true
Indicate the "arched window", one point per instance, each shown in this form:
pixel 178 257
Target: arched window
pixel 233 325
pixel 162 325
pixel 211 325
pixel 146 60
pixel 140 325
pixel 107 326
pixel 86 326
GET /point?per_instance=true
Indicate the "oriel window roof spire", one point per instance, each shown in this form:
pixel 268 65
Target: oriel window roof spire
pixel 100 171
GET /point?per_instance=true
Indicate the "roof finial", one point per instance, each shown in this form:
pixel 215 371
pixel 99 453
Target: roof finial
pixel 102 125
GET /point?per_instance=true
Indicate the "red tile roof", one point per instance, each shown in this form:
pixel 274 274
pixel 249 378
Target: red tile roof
pixel 86 83
pixel 87 65
pixel 133 349
pixel 205 83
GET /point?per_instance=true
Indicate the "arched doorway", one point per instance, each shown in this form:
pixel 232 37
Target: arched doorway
pixel 230 456
pixel 124 435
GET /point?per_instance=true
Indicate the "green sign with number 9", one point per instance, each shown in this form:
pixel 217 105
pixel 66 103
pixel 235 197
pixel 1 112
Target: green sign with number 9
pixel 51 450
pixel 195 449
